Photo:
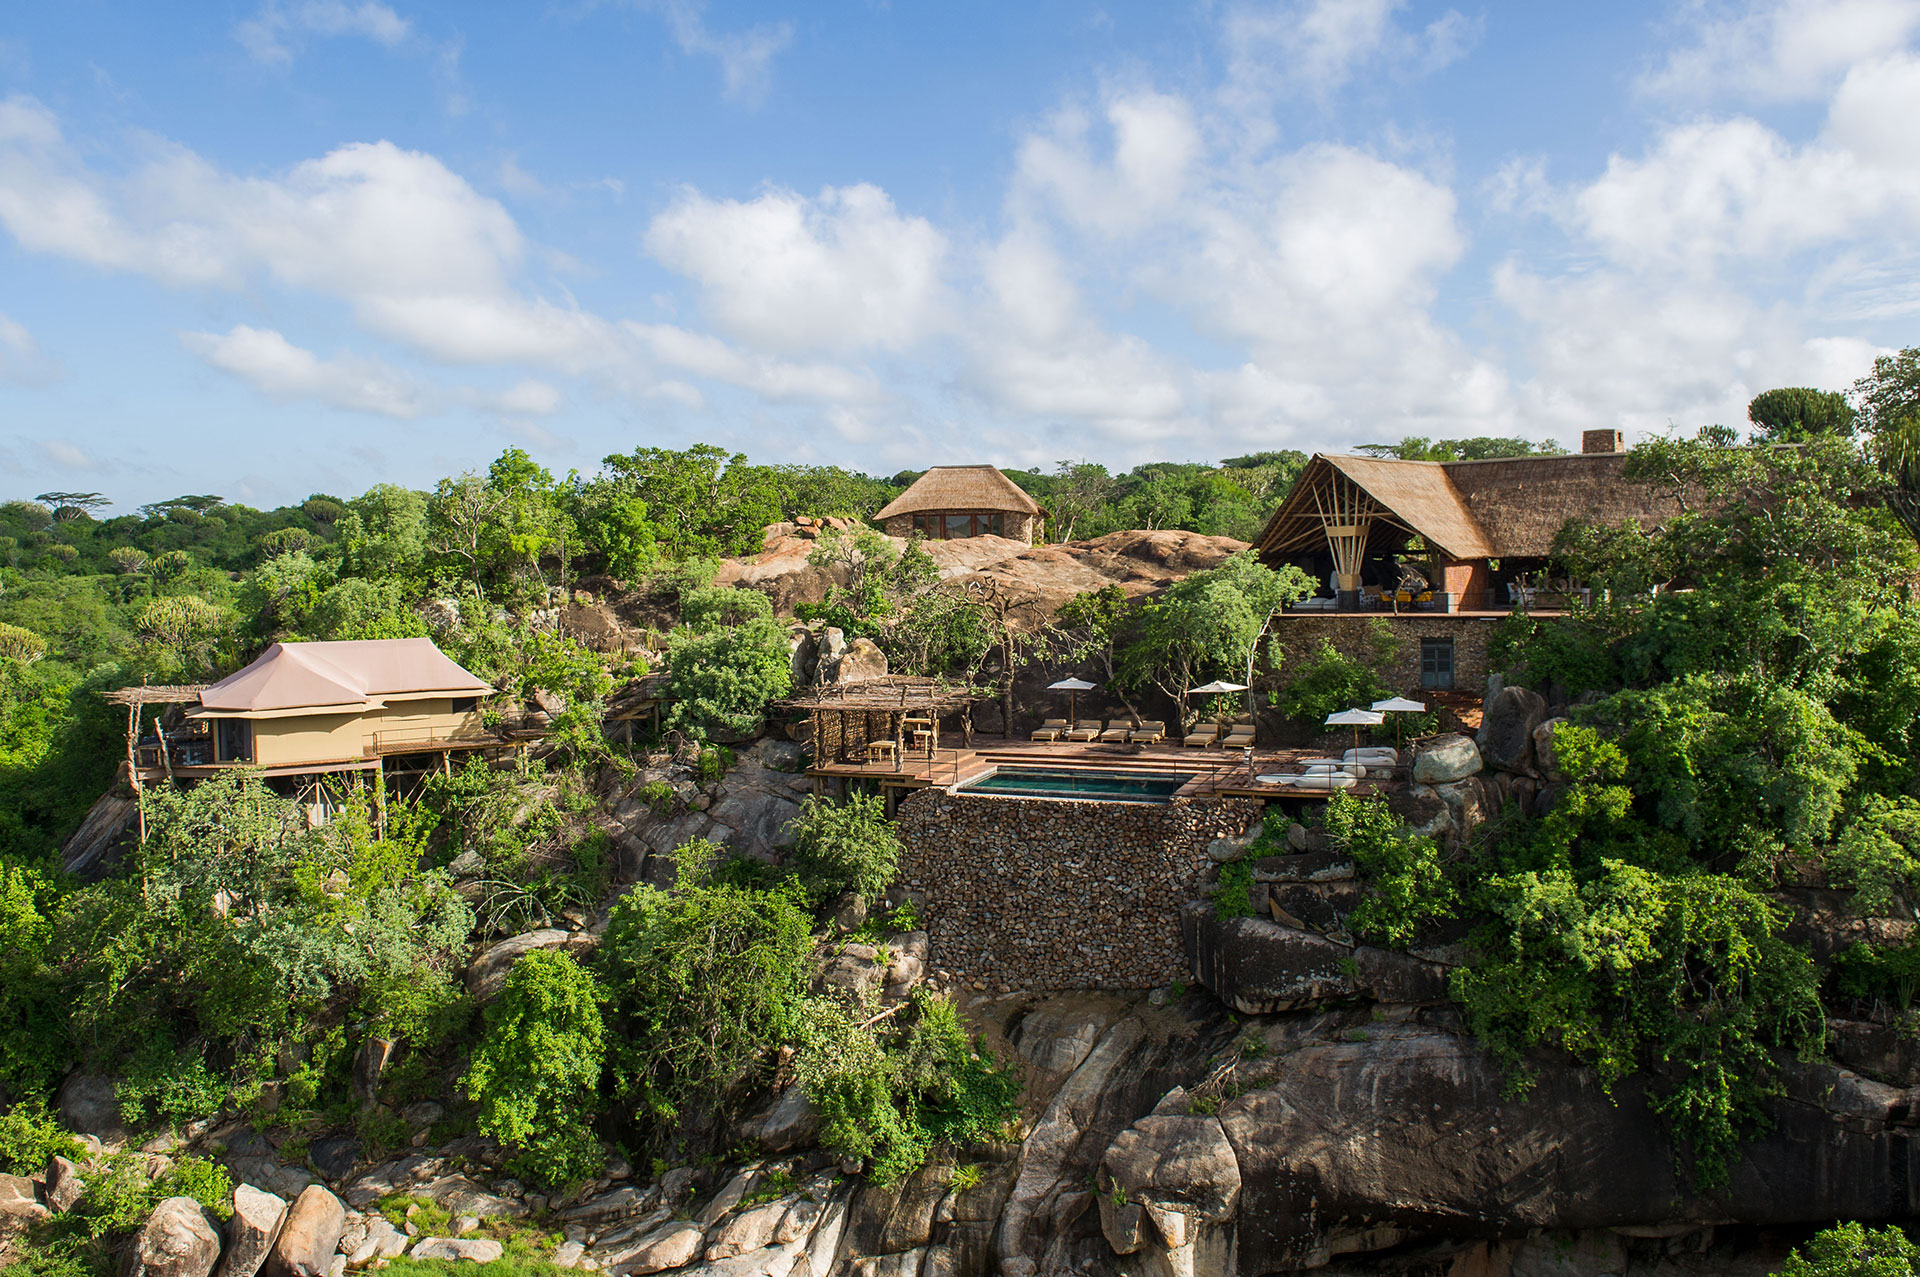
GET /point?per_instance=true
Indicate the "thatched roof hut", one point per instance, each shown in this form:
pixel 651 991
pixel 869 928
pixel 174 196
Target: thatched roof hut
pixel 1352 511
pixel 948 502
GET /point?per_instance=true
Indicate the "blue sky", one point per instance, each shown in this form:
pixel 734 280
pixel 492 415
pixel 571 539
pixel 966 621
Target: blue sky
pixel 274 247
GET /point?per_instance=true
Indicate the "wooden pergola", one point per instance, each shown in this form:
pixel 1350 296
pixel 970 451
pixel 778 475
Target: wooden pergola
pixel 137 699
pixel 848 719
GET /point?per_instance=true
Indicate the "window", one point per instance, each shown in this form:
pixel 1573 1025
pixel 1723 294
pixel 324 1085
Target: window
pixel 994 524
pixel 1436 663
pixel 235 740
pixel 959 525
pixel 920 524
pixel 465 704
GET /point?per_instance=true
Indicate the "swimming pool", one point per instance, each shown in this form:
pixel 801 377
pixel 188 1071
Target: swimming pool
pixel 1085 784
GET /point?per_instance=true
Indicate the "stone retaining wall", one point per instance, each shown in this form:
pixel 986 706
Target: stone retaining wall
pixel 1056 894
pixel 1300 638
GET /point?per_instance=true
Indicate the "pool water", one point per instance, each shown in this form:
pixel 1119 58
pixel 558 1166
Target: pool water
pixel 1084 784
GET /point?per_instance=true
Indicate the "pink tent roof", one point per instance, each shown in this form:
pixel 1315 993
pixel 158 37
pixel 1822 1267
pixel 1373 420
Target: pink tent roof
pixel 346 675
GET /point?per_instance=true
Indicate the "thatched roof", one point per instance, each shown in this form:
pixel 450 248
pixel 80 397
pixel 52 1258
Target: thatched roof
pixel 961 488
pixel 1512 507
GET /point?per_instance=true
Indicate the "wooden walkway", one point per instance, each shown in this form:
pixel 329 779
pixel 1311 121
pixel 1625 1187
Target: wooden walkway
pixel 1211 773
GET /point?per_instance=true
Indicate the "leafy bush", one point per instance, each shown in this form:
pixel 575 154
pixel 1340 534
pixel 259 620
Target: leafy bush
pixel 1407 887
pixel 701 982
pixel 535 1072
pixel 1850 1250
pixel 1328 682
pixel 721 682
pixel 846 846
pixel 1233 893
pixel 30 1135
pixel 1683 975
pixel 716 607
pixel 890 1102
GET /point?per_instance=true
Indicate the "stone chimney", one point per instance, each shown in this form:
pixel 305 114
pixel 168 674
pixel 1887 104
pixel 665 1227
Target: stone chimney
pixel 1602 441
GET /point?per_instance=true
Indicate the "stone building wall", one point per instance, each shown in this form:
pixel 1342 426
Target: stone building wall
pixel 1055 894
pixel 1018 527
pixel 1300 637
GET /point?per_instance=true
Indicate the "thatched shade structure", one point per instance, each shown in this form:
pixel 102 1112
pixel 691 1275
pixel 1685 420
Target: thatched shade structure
pixel 949 502
pixel 1352 514
pixel 848 718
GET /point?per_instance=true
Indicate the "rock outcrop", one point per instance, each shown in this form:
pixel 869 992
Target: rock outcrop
pixel 256 1220
pixel 176 1241
pixel 310 1236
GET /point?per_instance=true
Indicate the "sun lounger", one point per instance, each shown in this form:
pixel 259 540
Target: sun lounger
pixel 1051 729
pixel 1372 756
pixel 1086 729
pixel 1116 734
pixel 1200 737
pixel 1149 731
pixel 1311 780
pixel 1238 738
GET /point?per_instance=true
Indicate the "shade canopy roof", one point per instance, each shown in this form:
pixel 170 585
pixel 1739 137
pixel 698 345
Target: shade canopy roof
pixel 1399 705
pixel 1072 685
pixel 1356 718
pixel 344 676
pixel 961 488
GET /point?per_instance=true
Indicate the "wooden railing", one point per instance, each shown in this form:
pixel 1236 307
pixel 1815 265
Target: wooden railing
pixel 401 739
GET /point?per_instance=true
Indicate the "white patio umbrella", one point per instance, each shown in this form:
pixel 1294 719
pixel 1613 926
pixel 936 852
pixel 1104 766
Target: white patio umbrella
pixel 1356 719
pixel 1219 687
pixel 1072 687
pixel 1399 705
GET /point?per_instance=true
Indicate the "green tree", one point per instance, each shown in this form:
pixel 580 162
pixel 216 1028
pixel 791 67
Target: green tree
pixel 703 500
pixel 1851 1250
pixel 383 534
pixel 536 1070
pixel 846 846
pixel 1207 626
pixel 1794 413
pixel 721 682
pixel 703 982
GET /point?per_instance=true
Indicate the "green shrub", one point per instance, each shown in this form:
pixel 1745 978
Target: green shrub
pixel 1330 681
pixel 30 1135
pixel 701 982
pixel 1684 975
pixel 717 607
pixel 889 1103
pixel 721 682
pixel 846 846
pixel 1850 1250
pixel 1233 893
pixel 1407 887
pixel 535 1072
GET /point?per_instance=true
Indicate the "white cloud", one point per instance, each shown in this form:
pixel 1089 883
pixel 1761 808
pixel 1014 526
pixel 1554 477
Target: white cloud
pixel 840 272
pixel 67 456
pixel 1034 350
pixel 1311 48
pixel 529 398
pixel 420 255
pixel 1780 50
pixel 268 35
pixel 776 379
pixel 745 57
pixel 268 362
pixel 21 360
pixel 1155 143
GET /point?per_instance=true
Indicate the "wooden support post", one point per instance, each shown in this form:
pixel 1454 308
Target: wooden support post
pixel 133 767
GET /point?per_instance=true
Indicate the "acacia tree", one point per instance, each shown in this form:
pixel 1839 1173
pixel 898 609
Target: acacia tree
pixel 1208 626
pixel 463 512
pixel 1091 626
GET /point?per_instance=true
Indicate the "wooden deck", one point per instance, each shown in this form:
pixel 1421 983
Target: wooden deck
pixel 1211 773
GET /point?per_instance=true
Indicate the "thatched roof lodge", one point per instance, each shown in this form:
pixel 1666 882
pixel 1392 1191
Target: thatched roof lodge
pixel 950 502
pixel 1477 532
